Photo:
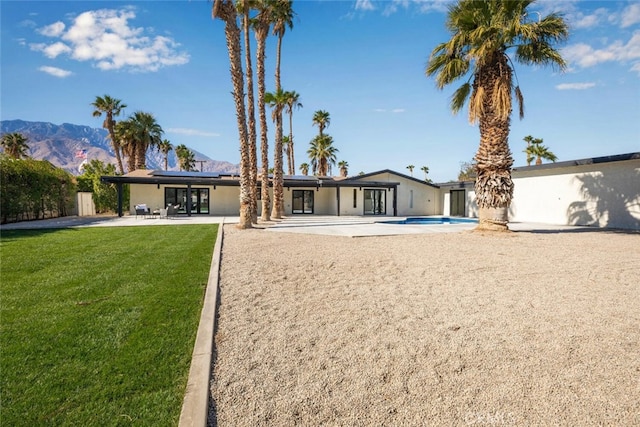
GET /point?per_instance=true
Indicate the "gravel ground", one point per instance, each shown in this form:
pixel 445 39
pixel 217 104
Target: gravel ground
pixel 439 329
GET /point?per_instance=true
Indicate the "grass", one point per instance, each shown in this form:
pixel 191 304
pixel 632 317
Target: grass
pixel 98 324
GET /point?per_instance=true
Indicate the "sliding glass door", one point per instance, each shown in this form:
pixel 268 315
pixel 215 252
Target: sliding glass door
pixel 302 201
pixel 375 202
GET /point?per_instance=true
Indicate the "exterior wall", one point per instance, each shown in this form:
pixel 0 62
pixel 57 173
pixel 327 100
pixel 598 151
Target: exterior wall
pixel 146 194
pixel 225 201
pixel 426 199
pixel 324 200
pixel 346 200
pixel 602 195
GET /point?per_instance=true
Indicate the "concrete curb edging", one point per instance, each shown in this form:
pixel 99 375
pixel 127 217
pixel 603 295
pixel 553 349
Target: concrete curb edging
pixel 195 406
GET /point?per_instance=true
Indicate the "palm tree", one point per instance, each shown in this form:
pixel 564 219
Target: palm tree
pixel 482 33
pixel 322 153
pixel 321 119
pixel 529 140
pixel 148 134
pixel 186 158
pixel 282 17
pixel 243 8
pixel 304 168
pixel 165 146
pixel 344 168
pixel 226 11
pixel 261 24
pixel 425 169
pixel 293 101
pixel 111 107
pixel 410 167
pixel 15 145
pixel 539 151
pixel 277 101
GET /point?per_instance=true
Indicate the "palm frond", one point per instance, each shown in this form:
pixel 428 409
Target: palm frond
pixel 520 101
pixel 459 97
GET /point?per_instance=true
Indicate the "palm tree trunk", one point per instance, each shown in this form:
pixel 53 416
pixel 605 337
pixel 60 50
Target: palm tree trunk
pixel 292 165
pixel 278 191
pixel 252 120
pixel 261 37
pixel 493 186
pixel 115 144
pixel 226 11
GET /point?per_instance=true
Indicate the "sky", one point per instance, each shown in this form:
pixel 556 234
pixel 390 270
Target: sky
pixel 362 61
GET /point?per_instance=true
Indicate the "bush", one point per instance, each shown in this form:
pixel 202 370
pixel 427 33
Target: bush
pixel 34 189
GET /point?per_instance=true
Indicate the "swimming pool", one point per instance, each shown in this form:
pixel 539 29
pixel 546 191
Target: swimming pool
pixel 433 220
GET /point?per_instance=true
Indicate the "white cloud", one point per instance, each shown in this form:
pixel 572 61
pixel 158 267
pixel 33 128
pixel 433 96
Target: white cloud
pixel 398 110
pixel 364 5
pixel 54 30
pixel 575 86
pixel 630 15
pixel 56 72
pixel 27 23
pixel 105 38
pixel 190 132
pixel 584 55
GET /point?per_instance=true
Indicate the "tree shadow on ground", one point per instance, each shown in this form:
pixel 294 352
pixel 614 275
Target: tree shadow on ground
pixel 608 200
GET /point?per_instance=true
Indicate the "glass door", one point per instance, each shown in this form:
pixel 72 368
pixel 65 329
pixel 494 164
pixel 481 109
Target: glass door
pixel 302 201
pixel 375 202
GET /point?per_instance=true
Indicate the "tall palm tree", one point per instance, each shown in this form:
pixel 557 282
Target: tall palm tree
pixel 282 17
pixel 322 120
pixel 304 168
pixel 261 24
pixel 277 101
pixel 425 169
pixel 482 34
pixel 110 107
pixel 225 10
pixel 186 158
pixel 538 151
pixel 165 146
pixel 15 145
pixel 293 101
pixel 411 167
pixel 344 168
pixel 148 134
pixel 244 7
pixel 322 153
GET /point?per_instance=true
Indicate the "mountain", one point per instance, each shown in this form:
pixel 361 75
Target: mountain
pixel 59 143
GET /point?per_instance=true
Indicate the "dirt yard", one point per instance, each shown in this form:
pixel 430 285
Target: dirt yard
pixel 422 330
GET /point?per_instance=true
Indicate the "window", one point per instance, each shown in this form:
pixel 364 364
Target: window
pixel 410 199
pixel 355 198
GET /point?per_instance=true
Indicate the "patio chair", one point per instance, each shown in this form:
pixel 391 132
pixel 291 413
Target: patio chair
pixel 172 210
pixel 142 210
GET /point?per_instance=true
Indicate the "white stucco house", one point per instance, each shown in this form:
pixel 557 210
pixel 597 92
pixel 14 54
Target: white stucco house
pixel 600 192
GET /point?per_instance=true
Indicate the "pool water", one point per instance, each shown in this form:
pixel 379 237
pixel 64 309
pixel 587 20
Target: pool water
pixel 433 220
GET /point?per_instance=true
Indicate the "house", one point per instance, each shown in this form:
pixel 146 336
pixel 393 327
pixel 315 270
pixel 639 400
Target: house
pixel 602 192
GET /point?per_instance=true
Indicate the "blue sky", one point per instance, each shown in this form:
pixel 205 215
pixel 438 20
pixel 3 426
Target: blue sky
pixel 363 61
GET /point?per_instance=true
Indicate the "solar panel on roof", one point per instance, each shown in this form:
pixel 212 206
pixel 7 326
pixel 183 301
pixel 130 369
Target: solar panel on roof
pixel 186 174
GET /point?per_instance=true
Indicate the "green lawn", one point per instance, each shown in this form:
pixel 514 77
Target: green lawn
pixel 98 324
